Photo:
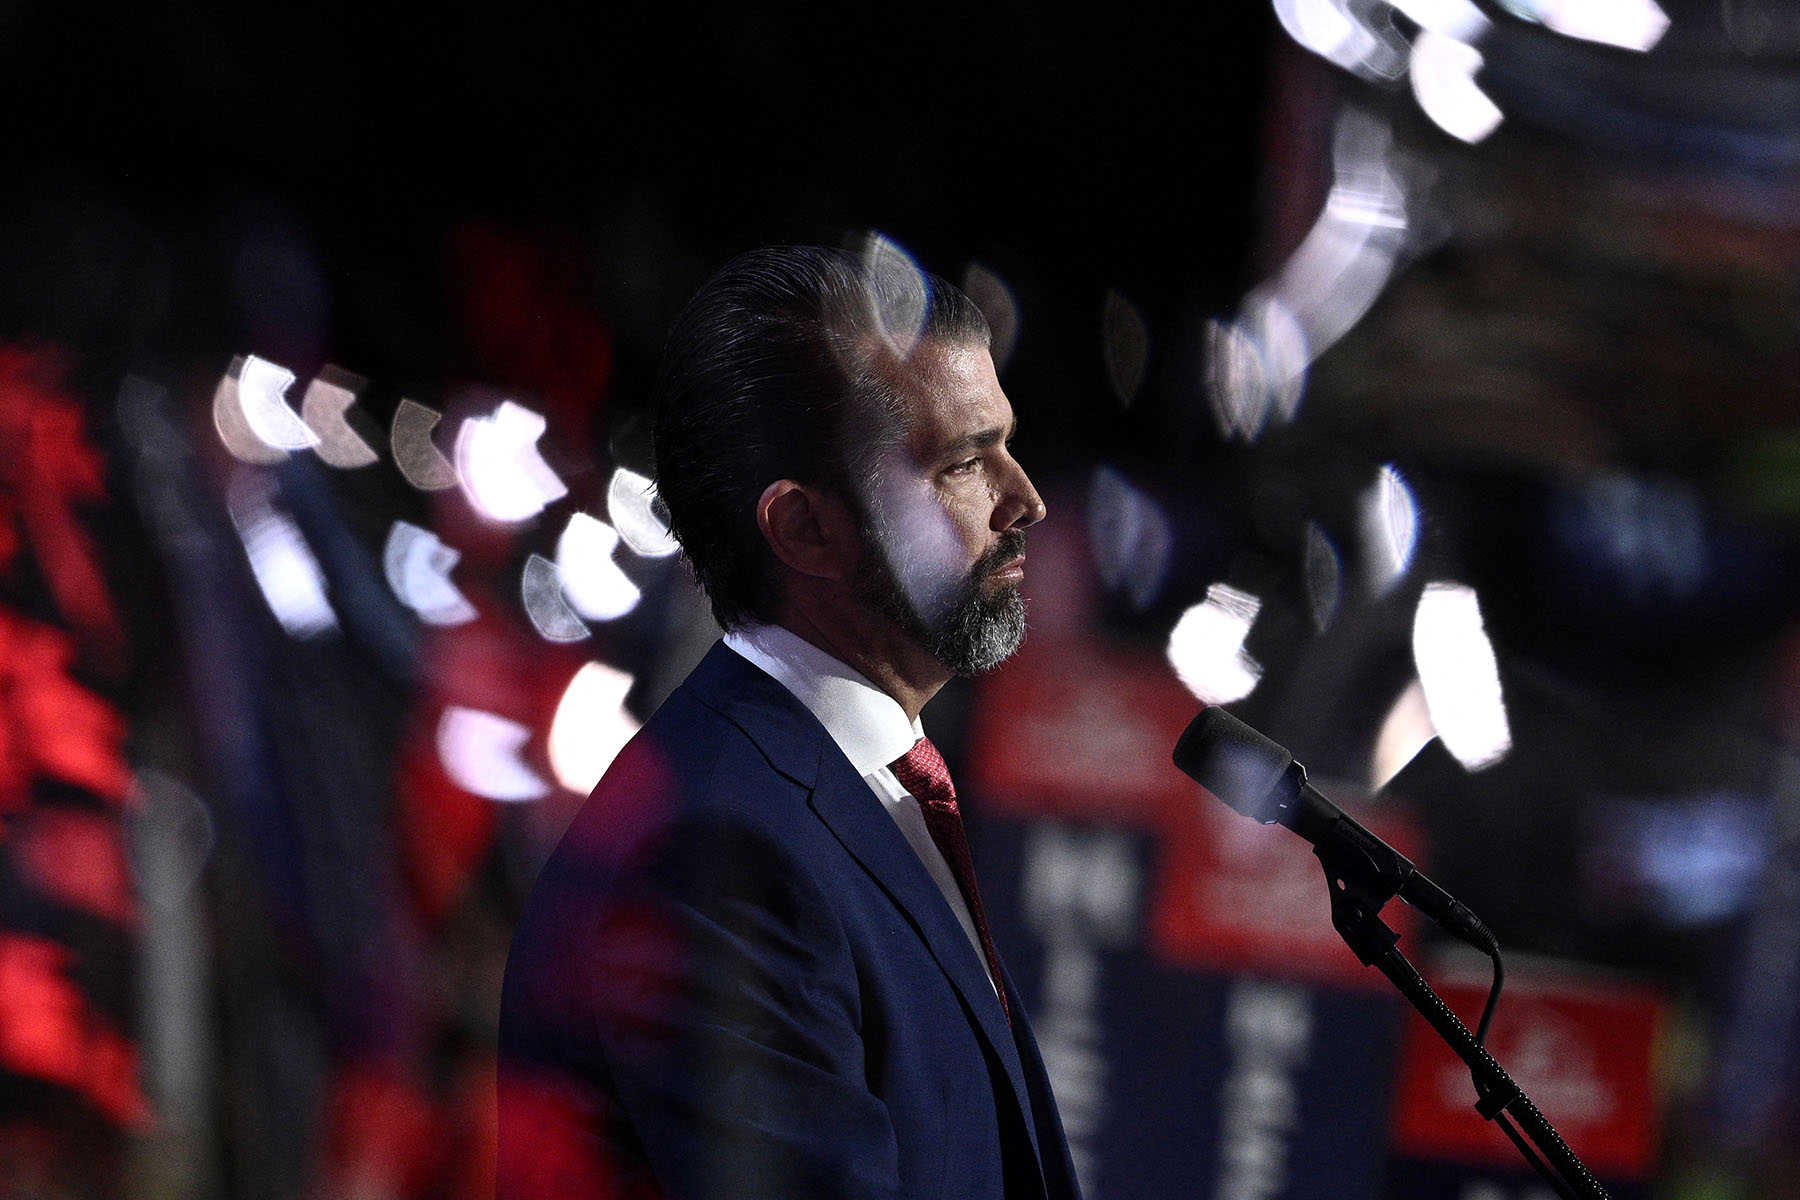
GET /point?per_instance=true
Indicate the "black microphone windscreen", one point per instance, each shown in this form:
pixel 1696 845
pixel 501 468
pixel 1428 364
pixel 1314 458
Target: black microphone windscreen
pixel 1235 763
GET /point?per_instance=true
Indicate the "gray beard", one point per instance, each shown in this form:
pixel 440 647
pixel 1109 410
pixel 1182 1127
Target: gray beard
pixel 969 632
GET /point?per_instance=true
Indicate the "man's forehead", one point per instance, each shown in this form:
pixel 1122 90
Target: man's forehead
pixel 949 391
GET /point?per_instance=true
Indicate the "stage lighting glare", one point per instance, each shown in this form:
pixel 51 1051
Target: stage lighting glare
pixel 1458 19
pixel 897 294
pixel 1443 82
pixel 286 572
pixel 1390 527
pixel 1323 569
pixel 323 408
pixel 633 505
pixel 591 726
pixel 1330 29
pixel 234 430
pixel 541 592
pixel 418 567
pixel 591 580
pixel 1130 536
pixel 416 456
pixel 1460 676
pixel 262 388
pixel 498 464
pixel 1206 647
pixel 1628 24
pixel 1258 364
pixel 1405 731
pixel 481 752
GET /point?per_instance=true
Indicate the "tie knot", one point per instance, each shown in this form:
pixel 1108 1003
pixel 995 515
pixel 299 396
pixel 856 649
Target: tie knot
pixel 921 771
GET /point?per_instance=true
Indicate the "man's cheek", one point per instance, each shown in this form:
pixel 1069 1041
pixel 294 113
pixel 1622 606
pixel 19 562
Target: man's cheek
pixel 922 544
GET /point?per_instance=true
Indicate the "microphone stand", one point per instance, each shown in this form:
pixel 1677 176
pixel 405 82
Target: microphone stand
pixel 1359 889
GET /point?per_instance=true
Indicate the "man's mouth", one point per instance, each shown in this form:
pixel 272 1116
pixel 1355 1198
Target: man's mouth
pixel 1007 559
pixel 1011 571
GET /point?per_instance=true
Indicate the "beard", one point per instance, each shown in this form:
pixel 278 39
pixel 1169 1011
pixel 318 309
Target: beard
pixel 973 627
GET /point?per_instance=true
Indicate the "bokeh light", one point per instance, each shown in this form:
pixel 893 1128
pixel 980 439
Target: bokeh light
pixel 287 571
pixel 1460 675
pixel 498 463
pixel 324 407
pixel 1443 80
pixel 481 752
pixel 633 506
pixel 542 593
pixel 1206 647
pixel 415 454
pixel 591 726
pixel 418 565
pixel 591 580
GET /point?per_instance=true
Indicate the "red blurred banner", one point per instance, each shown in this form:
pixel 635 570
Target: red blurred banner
pixel 1580 1047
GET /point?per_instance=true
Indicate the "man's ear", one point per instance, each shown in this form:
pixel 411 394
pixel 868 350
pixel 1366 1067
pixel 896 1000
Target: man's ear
pixel 808 529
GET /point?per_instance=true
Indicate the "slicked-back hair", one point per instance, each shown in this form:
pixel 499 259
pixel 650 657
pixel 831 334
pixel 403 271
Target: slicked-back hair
pixel 780 367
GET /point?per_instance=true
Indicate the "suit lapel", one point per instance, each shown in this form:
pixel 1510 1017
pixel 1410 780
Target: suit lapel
pixel 799 747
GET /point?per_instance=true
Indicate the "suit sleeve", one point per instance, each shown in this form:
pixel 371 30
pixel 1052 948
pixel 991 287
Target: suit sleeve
pixel 715 1034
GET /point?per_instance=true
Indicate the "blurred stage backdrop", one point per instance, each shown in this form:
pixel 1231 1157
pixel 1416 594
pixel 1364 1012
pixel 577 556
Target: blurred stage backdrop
pixel 1420 379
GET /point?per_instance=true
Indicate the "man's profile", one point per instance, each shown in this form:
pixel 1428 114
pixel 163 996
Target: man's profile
pixel 757 964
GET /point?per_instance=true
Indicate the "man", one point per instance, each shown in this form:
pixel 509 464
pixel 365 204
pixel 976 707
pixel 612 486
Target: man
pixel 756 965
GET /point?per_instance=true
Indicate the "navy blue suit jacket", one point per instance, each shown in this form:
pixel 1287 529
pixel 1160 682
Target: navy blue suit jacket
pixel 734 978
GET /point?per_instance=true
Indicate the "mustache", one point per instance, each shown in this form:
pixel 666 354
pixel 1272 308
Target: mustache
pixel 1009 547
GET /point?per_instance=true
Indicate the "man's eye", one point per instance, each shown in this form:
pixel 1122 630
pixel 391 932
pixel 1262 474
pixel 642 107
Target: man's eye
pixel 965 466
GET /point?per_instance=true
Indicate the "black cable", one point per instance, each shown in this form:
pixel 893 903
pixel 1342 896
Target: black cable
pixel 1493 1000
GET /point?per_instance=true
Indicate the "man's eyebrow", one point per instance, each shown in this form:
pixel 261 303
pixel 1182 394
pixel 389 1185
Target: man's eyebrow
pixel 980 440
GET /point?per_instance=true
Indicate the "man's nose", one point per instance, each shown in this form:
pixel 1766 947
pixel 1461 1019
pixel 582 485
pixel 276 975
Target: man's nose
pixel 1019 503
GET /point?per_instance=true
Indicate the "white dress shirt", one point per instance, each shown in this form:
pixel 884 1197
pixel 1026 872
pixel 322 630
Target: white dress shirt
pixel 869 726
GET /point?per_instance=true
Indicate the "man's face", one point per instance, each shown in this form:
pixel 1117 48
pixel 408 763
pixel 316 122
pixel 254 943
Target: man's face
pixel 948 508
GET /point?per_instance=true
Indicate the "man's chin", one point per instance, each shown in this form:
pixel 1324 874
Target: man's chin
pixel 982 635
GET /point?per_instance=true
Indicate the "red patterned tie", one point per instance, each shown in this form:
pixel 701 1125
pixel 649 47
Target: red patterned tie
pixel 922 773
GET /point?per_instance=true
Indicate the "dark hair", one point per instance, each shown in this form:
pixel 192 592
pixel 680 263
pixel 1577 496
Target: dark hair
pixel 780 368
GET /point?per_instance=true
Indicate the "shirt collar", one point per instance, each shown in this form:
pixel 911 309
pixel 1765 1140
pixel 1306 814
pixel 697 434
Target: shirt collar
pixel 867 724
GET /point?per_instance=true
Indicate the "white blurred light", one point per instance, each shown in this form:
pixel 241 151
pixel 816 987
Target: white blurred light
pixel 541 592
pixel 234 430
pixel 1348 255
pixel 1130 536
pixel 286 572
pixel 1390 523
pixel 1627 24
pixel 1258 364
pixel 591 580
pixel 1652 534
pixel 498 463
pixel 323 408
pixel 1700 858
pixel 1460 676
pixel 262 393
pixel 631 502
pixel 1331 30
pixel 1206 647
pixel 591 726
pixel 1404 732
pixel 480 752
pixel 1324 574
pixel 418 566
pixel 1443 82
pixel 997 304
pixel 415 454
pixel 898 294
pixel 1457 19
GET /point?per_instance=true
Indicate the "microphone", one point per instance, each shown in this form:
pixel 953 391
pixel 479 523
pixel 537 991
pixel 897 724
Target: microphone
pixel 1260 779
